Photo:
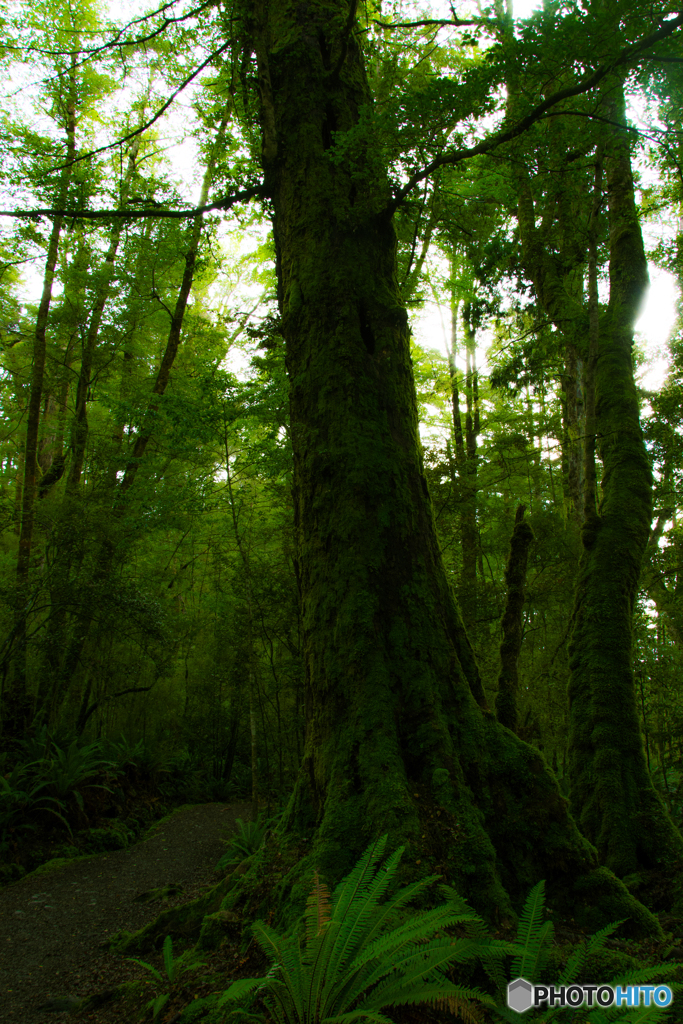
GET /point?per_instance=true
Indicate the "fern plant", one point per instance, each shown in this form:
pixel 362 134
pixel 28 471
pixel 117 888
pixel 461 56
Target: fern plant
pixel 248 841
pixel 22 797
pixel 173 969
pixel 362 955
pixel 533 940
pixel 74 766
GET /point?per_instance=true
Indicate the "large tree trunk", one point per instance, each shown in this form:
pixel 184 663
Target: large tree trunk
pixel 611 793
pixel 396 740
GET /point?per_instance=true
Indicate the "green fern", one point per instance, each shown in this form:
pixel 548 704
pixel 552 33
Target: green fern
pixel 532 946
pixel 533 937
pixel 250 836
pixel 174 968
pixel 361 956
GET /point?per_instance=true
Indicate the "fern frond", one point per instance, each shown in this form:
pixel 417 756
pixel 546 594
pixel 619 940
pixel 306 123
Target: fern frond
pixel 283 953
pixel 531 935
pixel 641 1015
pixel 574 966
pixel 431 992
pixel 645 974
pixel 168 957
pixel 467 1011
pixel 318 908
pixel 419 927
pixel 476 925
pixel 322 974
pixel 357 880
pixel 359 1015
pixel 418 968
pixel 239 989
pixel 598 940
pixel 360 910
pixel 398 900
pixel 494 969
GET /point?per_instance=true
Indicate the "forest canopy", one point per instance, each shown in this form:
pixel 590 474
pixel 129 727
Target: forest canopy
pixel 249 521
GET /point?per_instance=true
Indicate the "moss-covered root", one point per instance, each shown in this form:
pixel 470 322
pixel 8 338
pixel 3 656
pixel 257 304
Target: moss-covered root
pixel 185 921
pixel 492 848
pixel 600 895
pixel 529 823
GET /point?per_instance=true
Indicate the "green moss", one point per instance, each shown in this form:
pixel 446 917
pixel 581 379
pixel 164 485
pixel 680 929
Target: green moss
pixel 222 926
pixel 612 795
pixel 600 897
pixel 59 862
pixel 185 921
pixel 395 738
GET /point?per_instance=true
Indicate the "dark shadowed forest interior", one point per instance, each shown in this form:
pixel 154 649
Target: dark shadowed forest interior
pixel 341 479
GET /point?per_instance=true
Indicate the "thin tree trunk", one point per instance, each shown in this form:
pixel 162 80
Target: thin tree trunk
pixel 173 342
pixel 469 530
pixel 79 430
pixel 252 661
pixel 17 708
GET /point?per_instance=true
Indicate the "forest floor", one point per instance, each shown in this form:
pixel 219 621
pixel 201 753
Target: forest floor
pixel 55 924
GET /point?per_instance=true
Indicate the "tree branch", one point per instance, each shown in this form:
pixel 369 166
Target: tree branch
pixel 94 50
pixel 440 22
pixel 148 124
pixel 254 192
pixel 501 137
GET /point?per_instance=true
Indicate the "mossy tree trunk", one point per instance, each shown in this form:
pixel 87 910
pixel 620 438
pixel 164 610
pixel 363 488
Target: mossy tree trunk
pixel 512 625
pixel 470 483
pixel 611 793
pixel 464 459
pixel 397 739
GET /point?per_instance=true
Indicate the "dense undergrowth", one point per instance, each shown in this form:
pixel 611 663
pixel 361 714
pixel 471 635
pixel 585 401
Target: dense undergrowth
pixel 370 951
pixel 61 798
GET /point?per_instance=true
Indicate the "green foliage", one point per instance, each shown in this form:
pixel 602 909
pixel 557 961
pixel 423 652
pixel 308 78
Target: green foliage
pixel 174 969
pixel 247 842
pixel 363 952
pixel 68 769
pixel 22 799
pixel 533 940
pixel 534 936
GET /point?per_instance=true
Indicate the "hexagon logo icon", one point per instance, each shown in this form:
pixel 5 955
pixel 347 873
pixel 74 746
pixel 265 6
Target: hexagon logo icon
pixel 520 995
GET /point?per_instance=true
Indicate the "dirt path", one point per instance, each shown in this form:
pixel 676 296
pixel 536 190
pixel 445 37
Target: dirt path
pixel 54 926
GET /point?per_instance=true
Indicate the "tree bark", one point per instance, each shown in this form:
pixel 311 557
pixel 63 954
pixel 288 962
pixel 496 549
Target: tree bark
pixel 469 529
pixel 611 793
pixel 394 730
